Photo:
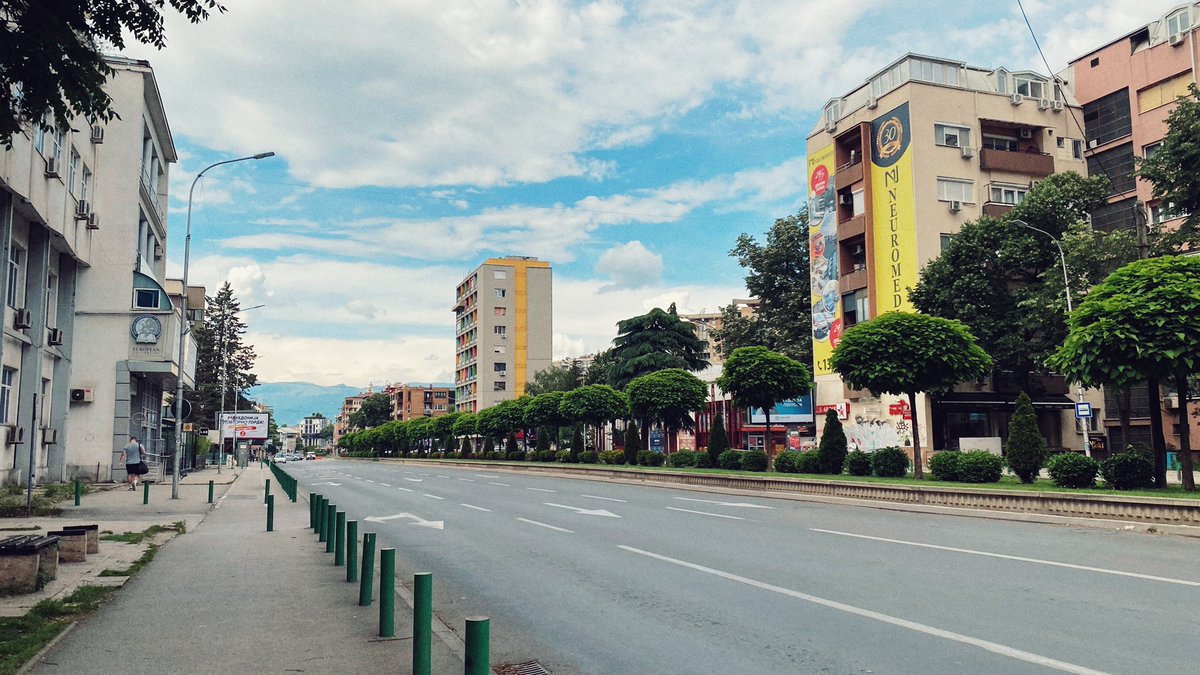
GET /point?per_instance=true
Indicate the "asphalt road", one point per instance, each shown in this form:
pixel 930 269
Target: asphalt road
pixel 598 577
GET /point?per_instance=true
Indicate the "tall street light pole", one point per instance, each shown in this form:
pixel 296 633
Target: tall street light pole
pixel 224 372
pixel 185 325
pixel 1087 442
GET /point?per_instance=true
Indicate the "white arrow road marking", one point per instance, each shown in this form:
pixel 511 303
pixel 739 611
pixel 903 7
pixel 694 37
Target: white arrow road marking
pixel 705 513
pixel 477 508
pixel 744 505
pixel 414 480
pixel 419 521
pixel 584 512
pixel 607 499
pixel 500 484
pixel 540 489
pixel 548 527
pixel 325 483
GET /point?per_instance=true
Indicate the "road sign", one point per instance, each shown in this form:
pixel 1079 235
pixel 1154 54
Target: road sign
pixel 1083 410
pixel 187 427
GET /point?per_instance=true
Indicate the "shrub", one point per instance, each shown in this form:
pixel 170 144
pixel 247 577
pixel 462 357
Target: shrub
pixel 613 457
pixel 682 459
pixel 1128 470
pixel 718 441
pixel 858 463
pixel 754 460
pixel 633 443
pixel 545 456
pixel 515 456
pixel 577 447
pixel 786 462
pixel 808 462
pixel 979 466
pixel 889 462
pixel 563 456
pixel 944 465
pixel 730 459
pixel 650 458
pixel 832 450
pixel 1073 470
pixel 588 457
pixel 1025 450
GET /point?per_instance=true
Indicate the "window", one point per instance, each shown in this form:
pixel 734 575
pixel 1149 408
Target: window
pixel 15 291
pixel 39 136
pixel 1115 216
pixel 937 72
pixel 955 190
pixel 52 301
pixel 995 142
pixel 855 308
pixel 1162 93
pixel 500 367
pixel 1008 194
pixel 500 330
pixel 1108 118
pixel 145 298
pixel 833 111
pixel 1001 82
pixel 57 147
pixel 6 390
pixel 1151 150
pixel 499 385
pixel 860 202
pixel 500 274
pixel 500 311
pixel 500 292
pixel 952 135
pixel 1164 211
pixel 1029 86
pixel 85 183
pixel 944 240
pixel 1077 149
pixel 1116 163
pixel 73 171
pixel 1178 23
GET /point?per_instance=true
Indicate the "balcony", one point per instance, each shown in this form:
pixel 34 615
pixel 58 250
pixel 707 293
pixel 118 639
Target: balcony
pixel 854 227
pixel 1029 163
pixel 853 281
pixel 849 174
pixel 996 209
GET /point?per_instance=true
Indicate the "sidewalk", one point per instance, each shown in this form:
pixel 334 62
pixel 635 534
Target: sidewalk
pixel 228 596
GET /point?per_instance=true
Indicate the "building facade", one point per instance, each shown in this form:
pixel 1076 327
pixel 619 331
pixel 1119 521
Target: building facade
pixel 312 429
pixel 895 167
pixel 503 330
pixel 341 423
pixel 415 399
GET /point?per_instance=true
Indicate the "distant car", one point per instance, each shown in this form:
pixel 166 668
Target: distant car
pixel 281 458
pixel 311 455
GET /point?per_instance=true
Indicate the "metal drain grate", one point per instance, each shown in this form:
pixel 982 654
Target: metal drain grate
pixel 527 668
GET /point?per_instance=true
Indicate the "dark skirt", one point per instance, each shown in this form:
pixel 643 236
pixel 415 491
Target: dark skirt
pixel 138 469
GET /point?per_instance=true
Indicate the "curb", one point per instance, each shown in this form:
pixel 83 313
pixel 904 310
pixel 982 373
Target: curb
pixel 37 658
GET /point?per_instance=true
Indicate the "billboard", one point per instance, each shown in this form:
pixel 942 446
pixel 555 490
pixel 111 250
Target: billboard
pixel 244 426
pixel 795 411
pixel 893 212
pixel 823 258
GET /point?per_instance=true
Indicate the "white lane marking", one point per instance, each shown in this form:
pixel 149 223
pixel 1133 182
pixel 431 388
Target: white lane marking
pixel 500 484
pixel 744 505
pixel 995 648
pixel 477 508
pixel 357 477
pixel 419 521
pixel 483 475
pixel 446 477
pixel 607 499
pixel 1037 561
pixel 549 527
pixel 414 480
pixel 467 480
pixel 584 512
pixel 386 484
pixel 405 489
pixel 540 489
pixel 432 496
pixel 705 513
pixel 370 481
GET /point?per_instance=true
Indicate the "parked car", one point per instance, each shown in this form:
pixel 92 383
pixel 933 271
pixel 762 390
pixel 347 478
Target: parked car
pixel 311 455
pixel 281 458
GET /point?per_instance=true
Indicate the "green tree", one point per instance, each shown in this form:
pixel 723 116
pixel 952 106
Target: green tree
pixel 576 442
pixel 52 61
pixel 633 443
pixel 376 409
pixel 1141 322
pixel 901 353
pixel 757 377
pixel 831 452
pixel 656 340
pixel 594 405
pixel 222 357
pixel 599 370
pixel 443 429
pixel 554 378
pixel 668 397
pixel 718 439
pixel 777 274
pixel 1025 450
pixel 1174 171
pixel 464 425
pixel 544 411
pixel 420 433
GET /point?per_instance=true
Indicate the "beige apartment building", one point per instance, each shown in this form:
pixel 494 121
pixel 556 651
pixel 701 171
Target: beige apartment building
pixel 895 167
pixel 414 399
pixel 350 405
pixel 503 330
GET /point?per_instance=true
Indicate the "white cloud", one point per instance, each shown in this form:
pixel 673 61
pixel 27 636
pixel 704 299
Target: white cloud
pixel 630 265
pixel 283 357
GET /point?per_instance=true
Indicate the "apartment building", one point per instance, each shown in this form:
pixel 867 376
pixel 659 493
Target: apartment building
pixel 895 167
pixel 416 399
pixel 311 428
pixel 503 330
pixel 1127 89
pixel 90 332
pixel 341 423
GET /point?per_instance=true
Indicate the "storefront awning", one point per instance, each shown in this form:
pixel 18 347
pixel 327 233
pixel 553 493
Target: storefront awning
pixel 992 401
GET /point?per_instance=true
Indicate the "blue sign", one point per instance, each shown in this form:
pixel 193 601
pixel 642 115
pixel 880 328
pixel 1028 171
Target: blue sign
pixel 795 411
pixel 1083 411
pixel 656 440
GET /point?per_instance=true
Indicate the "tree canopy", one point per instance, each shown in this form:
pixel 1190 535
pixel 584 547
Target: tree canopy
pixel 668 397
pixel 376 409
pixel 554 378
pixel 51 59
pixel 1174 171
pixel 221 352
pixel 757 377
pixel 777 274
pixel 656 340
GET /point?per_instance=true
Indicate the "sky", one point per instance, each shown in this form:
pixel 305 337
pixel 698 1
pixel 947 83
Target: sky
pixel 628 143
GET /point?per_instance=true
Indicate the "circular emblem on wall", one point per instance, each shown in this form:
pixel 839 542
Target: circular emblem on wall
pixel 820 180
pixel 146 329
pixel 890 138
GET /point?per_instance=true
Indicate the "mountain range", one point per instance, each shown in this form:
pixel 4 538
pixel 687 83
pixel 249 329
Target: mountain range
pixel 291 402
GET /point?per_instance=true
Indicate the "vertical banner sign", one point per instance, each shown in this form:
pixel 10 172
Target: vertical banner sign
pixel 823 258
pixel 894 212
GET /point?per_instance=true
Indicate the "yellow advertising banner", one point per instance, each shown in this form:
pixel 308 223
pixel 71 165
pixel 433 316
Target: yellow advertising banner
pixel 823 258
pixel 893 213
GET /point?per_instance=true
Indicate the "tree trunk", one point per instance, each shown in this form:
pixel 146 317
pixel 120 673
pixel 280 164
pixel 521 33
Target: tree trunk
pixel 1185 433
pixel 1156 432
pixel 767 436
pixel 1124 403
pixel 918 472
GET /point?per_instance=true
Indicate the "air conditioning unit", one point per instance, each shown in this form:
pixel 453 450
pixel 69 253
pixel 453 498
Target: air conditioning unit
pixel 1175 40
pixel 49 436
pixel 51 167
pixel 872 103
pixel 501 373
pixel 1045 104
pixel 16 435
pixel 857 249
pixel 93 222
pixel 1016 99
pixel 97 134
pixel 1094 143
pixel 968 152
pixel 1058 106
pixel 846 199
pixel 82 395
pixel 82 210
pixel 1171 401
pixel 56 336
pixel 830 127
pixel 1026 132
pixel 158 251
pixel 22 318
pixel 955 207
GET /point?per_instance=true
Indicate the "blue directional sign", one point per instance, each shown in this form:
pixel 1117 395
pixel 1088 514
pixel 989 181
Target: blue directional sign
pixel 1083 411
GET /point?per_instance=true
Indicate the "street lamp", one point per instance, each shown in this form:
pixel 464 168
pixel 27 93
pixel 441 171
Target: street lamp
pixel 1087 443
pixel 224 372
pixel 185 325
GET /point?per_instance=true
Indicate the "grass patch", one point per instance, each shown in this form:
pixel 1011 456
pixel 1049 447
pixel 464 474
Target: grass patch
pixel 22 637
pixel 136 566
pixel 148 533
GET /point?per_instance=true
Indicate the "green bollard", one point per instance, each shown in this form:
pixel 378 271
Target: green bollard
pixel 145 492
pixel 270 513
pixel 352 551
pixel 321 532
pixel 210 492
pixel 422 622
pixel 339 544
pixel 367 578
pixel 387 592
pixel 266 490
pixel 312 511
pixel 78 491
pixel 330 519
pixel 478 646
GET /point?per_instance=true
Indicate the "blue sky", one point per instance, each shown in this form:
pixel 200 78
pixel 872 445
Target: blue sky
pixel 628 143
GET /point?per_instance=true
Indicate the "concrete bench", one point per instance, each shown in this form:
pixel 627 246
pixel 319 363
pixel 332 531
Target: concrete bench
pixel 93 536
pixel 27 562
pixel 72 545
